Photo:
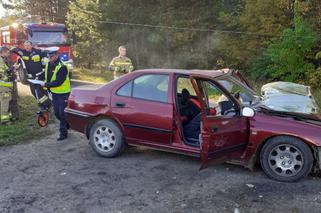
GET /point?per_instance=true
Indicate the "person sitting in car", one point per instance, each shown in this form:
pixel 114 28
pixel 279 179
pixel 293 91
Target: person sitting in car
pixel 190 113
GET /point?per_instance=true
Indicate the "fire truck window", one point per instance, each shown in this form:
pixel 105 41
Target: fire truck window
pixel 39 37
pixel 6 37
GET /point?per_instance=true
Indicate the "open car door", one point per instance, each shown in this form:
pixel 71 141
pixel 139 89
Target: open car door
pixel 224 132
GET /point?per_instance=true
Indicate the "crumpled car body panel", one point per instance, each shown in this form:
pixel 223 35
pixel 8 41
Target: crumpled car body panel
pixel 289 97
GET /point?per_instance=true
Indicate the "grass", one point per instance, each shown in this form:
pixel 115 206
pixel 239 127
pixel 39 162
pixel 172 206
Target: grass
pixel 26 128
pixel 92 75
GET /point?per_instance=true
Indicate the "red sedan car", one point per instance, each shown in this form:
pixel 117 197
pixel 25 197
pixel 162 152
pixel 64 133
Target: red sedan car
pixel 213 115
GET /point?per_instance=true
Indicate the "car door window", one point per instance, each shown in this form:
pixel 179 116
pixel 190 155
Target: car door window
pixel 241 93
pixel 217 103
pixel 151 87
pixel 125 90
pixel 185 83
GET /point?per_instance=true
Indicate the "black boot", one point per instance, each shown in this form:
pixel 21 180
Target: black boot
pixel 62 137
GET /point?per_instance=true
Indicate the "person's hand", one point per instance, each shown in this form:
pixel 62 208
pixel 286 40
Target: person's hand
pixel 42 84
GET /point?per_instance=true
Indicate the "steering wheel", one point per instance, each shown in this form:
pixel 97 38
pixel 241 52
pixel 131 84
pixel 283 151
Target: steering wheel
pixel 226 112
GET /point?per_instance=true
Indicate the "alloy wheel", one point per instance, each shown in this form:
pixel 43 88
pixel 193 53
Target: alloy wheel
pixel 286 160
pixel 104 139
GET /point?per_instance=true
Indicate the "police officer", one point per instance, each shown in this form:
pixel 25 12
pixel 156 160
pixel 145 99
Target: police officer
pixel 8 84
pixel 34 60
pixel 121 64
pixel 58 83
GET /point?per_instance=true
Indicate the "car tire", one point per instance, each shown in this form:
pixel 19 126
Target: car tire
pixel 22 76
pixel 106 138
pixel 286 159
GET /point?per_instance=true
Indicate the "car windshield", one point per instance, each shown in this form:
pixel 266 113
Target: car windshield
pixel 241 92
pixel 43 37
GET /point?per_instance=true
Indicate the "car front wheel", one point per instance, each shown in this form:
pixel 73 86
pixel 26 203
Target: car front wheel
pixel 286 159
pixel 106 138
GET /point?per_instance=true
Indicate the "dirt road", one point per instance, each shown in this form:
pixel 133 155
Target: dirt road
pixel 51 176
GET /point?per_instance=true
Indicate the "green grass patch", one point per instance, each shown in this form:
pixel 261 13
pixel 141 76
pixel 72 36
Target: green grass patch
pixel 92 75
pixel 26 128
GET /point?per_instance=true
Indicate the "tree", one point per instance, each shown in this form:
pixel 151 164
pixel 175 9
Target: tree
pixel 45 10
pixel 83 19
pixel 286 58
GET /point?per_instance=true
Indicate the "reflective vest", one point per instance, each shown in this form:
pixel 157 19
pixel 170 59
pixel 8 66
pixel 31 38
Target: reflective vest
pixel 119 64
pixel 3 70
pixel 33 60
pixel 65 86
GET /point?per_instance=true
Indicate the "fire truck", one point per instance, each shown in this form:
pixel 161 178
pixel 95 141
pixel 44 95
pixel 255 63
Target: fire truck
pixel 42 36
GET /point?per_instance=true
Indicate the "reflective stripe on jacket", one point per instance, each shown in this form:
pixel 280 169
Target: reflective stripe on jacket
pixel 65 86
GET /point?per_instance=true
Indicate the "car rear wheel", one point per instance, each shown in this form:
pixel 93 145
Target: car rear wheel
pixel 106 138
pixel 286 159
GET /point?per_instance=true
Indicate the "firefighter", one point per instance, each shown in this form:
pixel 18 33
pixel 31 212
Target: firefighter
pixel 8 87
pixel 34 60
pixel 121 64
pixel 58 83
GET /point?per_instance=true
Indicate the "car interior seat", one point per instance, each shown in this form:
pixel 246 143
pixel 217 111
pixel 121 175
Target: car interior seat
pixel 225 105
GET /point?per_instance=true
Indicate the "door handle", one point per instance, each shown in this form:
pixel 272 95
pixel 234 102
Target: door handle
pixel 120 104
pixel 214 128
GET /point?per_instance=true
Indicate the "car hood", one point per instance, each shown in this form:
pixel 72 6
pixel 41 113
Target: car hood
pixel 289 98
pixel 308 118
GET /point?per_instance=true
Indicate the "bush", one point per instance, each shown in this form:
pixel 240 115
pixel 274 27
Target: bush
pixel 287 58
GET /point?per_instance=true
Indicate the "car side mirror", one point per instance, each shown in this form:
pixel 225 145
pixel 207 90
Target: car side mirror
pixel 248 112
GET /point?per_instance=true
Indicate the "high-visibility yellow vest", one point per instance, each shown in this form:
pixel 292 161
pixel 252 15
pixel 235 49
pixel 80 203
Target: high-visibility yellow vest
pixel 3 69
pixel 65 86
pixel 121 64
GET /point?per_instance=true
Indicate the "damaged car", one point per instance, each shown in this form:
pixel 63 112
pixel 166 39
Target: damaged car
pixel 215 115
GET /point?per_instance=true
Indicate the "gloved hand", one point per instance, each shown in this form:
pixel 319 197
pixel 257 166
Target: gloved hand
pixel 44 61
pixel 117 69
pixel 131 68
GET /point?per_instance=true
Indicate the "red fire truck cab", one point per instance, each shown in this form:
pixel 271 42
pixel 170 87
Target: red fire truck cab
pixel 41 35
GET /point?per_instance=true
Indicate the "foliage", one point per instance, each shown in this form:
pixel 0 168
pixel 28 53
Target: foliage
pixel 287 58
pixel 314 78
pixel 203 34
pixel 82 19
pixel 47 10
pixel 8 20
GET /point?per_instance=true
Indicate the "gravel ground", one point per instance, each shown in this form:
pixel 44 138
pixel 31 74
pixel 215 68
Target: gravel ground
pixel 50 176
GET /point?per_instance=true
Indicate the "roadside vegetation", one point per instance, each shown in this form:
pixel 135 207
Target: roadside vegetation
pixel 276 40
pixel 92 75
pixel 26 128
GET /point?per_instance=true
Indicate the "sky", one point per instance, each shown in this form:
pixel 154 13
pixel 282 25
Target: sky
pixel 2 11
